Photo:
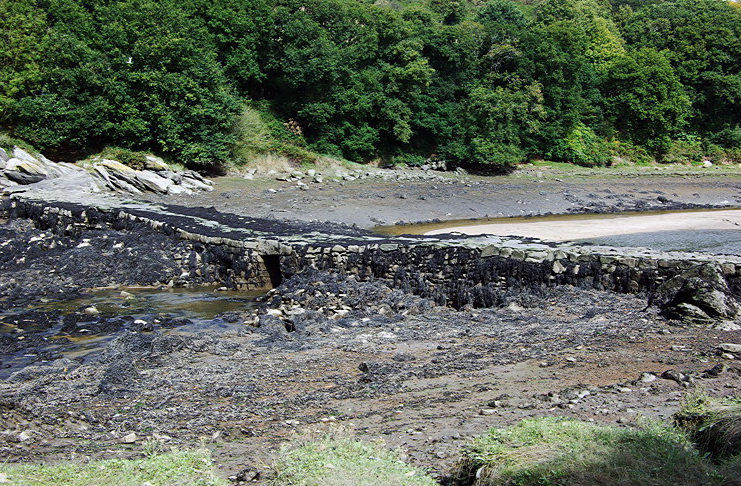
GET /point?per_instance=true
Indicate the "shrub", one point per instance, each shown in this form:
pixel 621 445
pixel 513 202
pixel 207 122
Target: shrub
pixel 583 147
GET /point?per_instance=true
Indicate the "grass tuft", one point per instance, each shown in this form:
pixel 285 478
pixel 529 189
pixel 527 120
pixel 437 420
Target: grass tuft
pixel 713 424
pixel 335 458
pixel 179 468
pixel 556 451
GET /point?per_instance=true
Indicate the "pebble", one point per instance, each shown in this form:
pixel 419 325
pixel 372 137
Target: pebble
pixel 129 439
pixel 730 348
pixel 647 377
pixel 91 311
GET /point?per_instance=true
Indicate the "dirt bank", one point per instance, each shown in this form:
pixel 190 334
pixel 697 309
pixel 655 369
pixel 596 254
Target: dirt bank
pixel 324 349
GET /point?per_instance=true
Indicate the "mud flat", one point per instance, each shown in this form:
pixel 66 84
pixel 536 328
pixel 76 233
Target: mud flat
pixel 326 347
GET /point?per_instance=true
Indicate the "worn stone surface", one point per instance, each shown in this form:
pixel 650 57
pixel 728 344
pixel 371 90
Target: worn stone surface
pixel 26 169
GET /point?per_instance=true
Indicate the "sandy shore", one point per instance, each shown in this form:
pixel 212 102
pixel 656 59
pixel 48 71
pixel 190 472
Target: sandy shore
pixel 596 226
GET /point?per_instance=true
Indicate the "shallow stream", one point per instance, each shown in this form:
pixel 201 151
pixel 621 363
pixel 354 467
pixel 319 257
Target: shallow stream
pixel 80 328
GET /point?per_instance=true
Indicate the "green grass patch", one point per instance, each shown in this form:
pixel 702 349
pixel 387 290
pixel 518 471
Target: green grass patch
pixel 558 451
pixel 180 468
pixel 336 459
pixel 7 142
pixel 714 425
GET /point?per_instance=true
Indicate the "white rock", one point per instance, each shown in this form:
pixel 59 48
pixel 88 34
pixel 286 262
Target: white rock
pixel 155 163
pixel 19 153
pixel 176 189
pixel 91 311
pixel 129 439
pixel 3 155
pixel 730 347
pixel 647 377
pixel 153 181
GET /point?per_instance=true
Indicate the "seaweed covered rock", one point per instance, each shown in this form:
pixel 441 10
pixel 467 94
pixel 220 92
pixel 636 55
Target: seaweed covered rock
pixel 700 295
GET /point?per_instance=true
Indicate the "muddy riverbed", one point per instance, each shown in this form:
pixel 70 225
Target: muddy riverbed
pixel 322 350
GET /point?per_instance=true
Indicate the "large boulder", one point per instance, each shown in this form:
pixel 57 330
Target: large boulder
pixel 25 171
pixel 699 295
pixel 155 163
pixel 154 182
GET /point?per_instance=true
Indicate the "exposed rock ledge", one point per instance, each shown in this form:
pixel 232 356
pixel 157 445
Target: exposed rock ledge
pixel 19 169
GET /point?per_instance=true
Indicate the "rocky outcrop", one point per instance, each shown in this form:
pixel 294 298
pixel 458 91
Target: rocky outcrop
pixel 698 295
pixel 20 168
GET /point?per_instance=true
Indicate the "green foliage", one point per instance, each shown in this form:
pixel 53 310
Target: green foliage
pixel 583 147
pixel 146 77
pixel 135 160
pixel 713 424
pixel 702 41
pixel 559 451
pixel 683 150
pixel 21 34
pixel 644 99
pixel 491 82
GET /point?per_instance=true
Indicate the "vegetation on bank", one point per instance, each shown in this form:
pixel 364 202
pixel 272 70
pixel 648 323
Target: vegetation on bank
pixel 490 82
pixel 559 451
pixel 703 446
pixel 335 458
pixel 180 468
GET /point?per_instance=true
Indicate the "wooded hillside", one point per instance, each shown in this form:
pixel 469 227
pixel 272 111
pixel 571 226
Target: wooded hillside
pixel 206 82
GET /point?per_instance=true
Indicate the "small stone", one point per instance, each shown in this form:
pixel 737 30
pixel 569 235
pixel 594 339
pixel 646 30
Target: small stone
pixel 274 312
pixel 675 376
pixel 730 348
pixel 24 436
pixel 625 389
pixel 91 311
pixel 247 474
pixel 129 439
pixel 716 370
pixel 487 411
pixel 728 356
pixel 292 422
pixel 647 377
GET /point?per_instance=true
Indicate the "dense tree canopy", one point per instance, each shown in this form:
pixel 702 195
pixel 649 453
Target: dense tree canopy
pixel 493 82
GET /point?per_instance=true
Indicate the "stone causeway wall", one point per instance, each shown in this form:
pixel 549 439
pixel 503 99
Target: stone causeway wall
pixel 452 270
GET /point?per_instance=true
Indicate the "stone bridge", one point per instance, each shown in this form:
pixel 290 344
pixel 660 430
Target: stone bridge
pixel 250 253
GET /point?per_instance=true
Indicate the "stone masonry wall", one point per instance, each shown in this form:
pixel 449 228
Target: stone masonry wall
pixel 457 271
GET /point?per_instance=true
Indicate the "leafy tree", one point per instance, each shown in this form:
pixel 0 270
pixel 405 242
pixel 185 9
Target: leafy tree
pixel 134 73
pixel 347 73
pixel 702 41
pixel 644 100
pixel 555 56
pixel 21 34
